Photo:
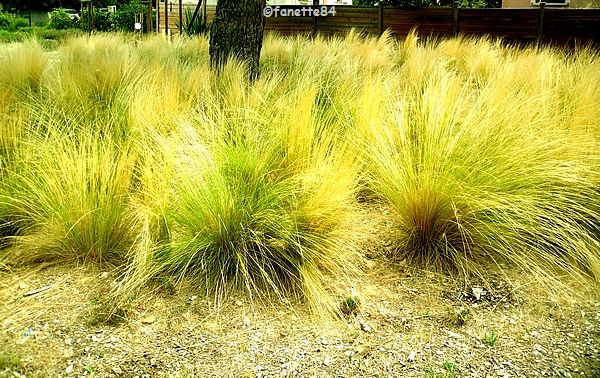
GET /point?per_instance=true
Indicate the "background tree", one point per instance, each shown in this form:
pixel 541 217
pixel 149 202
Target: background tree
pixel 237 30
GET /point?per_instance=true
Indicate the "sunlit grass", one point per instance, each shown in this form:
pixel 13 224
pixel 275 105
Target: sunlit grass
pixel 478 170
pixel 132 152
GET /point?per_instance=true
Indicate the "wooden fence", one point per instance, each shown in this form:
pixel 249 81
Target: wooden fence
pixel 522 25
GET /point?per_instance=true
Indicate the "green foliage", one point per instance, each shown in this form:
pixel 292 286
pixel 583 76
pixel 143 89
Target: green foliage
pixel 350 305
pixel 195 26
pixel 103 310
pixel 490 338
pixel 450 371
pixel 474 4
pixel 102 21
pixel 458 317
pixel 7 37
pixel 41 4
pixel 60 20
pixel 124 17
pixel 40 34
pixel 11 23
pixel 20 23
pixel 55 35
pixel 89 369
pixel 10 360
pixel 397 3
pixel 451 368
pixel 6 20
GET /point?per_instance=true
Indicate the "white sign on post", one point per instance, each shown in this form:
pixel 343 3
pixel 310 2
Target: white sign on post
pixel 138 26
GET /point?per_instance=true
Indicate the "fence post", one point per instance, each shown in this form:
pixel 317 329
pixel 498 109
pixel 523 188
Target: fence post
pixel 380 18
pixel 540 31
pixel 166 19
pixel 180 17
pixel 455 18
pixel 314 25
pixel 149 21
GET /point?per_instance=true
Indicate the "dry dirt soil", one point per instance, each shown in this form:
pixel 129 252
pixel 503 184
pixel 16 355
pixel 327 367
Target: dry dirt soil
pixel 409 323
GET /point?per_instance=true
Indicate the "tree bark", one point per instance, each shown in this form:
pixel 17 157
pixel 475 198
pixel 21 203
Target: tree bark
pixel 237 31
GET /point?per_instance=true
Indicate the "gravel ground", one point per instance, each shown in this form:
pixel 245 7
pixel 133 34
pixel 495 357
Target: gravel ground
pixel 409 324
pixel 414 325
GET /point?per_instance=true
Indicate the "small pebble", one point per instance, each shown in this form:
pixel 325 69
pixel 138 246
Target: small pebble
pixel 149 319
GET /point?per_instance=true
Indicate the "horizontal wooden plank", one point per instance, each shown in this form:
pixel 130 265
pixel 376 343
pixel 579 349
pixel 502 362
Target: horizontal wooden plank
pixel 560 25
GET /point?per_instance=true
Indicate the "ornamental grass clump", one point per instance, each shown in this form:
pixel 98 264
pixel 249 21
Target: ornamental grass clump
pixel 133 152
pixel 247 195
pixel 490 169
pixel 70 200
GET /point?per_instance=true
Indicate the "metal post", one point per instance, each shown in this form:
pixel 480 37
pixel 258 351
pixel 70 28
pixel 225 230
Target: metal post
pixel 455 19
pixel 540 31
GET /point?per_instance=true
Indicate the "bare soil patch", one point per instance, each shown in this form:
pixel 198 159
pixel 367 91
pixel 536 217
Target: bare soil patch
pixel 409 323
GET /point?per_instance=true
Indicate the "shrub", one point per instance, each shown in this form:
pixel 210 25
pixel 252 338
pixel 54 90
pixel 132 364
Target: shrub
pixel 124 18
pixel 6 36
pixel 103 21
pixel 232 201
pixel 56 35
pixel 60 20
pixel 5 20
pixel 22 77
pixel 195 26
pixel 11 23
pixel 20 23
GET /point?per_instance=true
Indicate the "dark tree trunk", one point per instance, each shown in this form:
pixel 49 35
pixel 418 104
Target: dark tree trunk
pixel 237 30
